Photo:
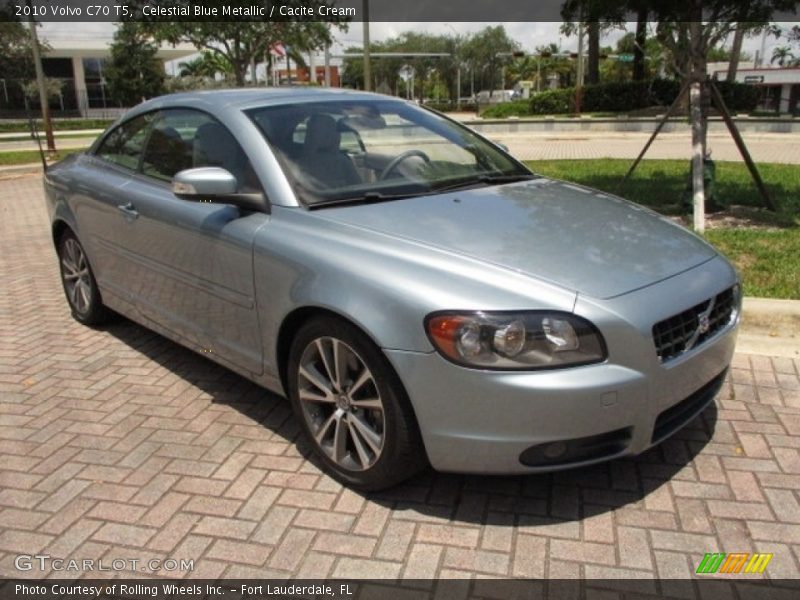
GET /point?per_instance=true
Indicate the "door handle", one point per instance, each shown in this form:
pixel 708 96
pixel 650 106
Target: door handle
pixel 129 211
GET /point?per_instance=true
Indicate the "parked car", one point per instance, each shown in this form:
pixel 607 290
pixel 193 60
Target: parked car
pixel 496 96
pixel 417 293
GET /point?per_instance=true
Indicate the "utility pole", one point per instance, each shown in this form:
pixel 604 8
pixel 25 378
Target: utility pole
pixel 579 83
pixel 367 66
pixel 327 65
pixel 43 100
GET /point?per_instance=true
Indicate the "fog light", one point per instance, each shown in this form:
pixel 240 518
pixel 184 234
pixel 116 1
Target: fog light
pixel 555 449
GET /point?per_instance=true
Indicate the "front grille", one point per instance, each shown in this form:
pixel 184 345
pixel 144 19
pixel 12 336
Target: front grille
pixel 675 417
pixel 683 331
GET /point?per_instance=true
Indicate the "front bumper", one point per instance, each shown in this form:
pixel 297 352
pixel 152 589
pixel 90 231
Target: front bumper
pixel 488 421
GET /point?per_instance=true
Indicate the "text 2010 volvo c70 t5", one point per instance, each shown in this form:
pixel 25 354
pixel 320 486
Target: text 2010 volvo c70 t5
pixel 418 294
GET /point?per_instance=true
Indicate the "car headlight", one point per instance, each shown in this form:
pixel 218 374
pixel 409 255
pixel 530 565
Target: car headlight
pixel 515 340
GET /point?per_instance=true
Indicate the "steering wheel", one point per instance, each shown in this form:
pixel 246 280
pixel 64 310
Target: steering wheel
pixel 395 162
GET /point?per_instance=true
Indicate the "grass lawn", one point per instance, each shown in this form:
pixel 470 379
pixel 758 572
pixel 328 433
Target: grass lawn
pixel 768 257
pixel 23 157
pixel 22 126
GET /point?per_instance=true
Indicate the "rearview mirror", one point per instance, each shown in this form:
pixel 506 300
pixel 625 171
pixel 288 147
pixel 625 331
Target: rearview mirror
pixel 203 183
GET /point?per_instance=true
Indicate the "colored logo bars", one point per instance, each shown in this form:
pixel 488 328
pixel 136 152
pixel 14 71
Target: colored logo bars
pixel 741 562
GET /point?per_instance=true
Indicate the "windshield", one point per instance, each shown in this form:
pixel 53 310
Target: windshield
pixel 342 150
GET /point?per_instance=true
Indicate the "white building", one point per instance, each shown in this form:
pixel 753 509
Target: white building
pixel 779 86
pixel 79 64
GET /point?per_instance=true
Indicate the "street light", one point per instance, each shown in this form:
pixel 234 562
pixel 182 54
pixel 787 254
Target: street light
pixel 458 68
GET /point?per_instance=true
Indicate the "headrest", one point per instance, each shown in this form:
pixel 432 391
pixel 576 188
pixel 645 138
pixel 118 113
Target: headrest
pixel 321 135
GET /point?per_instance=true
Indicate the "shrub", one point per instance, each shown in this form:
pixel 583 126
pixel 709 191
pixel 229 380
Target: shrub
pixel 516 108
pixel 620 97
pixel 739 97
pixel 553 102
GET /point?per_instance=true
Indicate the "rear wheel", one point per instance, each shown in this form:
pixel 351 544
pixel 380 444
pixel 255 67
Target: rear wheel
pixel 79 283
pixel 352 406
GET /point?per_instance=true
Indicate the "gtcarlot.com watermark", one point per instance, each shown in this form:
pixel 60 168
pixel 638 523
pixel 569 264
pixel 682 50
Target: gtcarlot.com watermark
pixel 45 562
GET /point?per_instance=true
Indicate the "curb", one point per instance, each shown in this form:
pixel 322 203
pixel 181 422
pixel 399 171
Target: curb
pixel 27 168
pixel 770 327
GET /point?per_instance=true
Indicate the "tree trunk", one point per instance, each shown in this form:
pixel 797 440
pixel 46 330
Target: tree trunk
pixel 639 72
pixel 593 66
pixel 239 70
pixel 736 51
pixel 697 117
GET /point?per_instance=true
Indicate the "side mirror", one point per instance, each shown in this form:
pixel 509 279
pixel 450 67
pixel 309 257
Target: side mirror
pixel 203 184
pixel 501 145
pixel 214 184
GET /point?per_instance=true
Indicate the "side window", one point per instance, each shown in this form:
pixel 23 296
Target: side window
pixel 184 139
pixel 124 145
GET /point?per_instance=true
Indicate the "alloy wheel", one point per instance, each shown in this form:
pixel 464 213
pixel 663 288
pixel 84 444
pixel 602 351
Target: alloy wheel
pixel 76 275
pixel 341 403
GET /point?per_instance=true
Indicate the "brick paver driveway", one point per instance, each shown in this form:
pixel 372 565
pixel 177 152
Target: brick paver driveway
pixel 117 443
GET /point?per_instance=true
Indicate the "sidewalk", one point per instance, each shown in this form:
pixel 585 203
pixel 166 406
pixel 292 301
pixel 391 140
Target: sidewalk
pixel 117 443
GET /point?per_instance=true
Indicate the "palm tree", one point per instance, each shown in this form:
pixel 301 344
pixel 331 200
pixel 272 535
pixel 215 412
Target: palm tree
pixel 782 55
pixel 208 64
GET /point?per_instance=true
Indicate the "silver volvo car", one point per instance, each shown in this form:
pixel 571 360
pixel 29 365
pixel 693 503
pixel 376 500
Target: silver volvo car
pixel 418 294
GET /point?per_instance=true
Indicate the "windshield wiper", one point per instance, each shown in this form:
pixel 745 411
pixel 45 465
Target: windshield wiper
pixel 484 179
pixel 374 197
pixel 366 198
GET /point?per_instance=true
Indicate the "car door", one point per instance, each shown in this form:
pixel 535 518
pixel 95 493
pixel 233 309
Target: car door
pixel 96 201
pixel 192 263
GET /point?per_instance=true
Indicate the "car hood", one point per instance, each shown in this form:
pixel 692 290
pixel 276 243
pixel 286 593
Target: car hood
pixel 575 237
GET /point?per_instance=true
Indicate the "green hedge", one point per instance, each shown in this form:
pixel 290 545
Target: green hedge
pixel 620 97
pixel 515 108
pixel 13 126
pixel 451 106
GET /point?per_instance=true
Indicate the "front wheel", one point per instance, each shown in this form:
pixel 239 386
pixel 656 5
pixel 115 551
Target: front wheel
pixel 352 406
pixel 79 283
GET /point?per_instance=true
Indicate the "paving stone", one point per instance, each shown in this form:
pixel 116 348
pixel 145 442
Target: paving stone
pixel 117 441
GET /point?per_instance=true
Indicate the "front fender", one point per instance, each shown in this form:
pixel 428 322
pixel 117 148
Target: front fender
pixel 383 285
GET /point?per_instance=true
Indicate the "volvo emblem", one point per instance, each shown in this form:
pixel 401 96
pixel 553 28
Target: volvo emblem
pixel 705 323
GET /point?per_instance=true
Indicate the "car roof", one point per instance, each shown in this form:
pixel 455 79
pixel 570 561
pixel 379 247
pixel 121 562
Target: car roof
pixel 219 100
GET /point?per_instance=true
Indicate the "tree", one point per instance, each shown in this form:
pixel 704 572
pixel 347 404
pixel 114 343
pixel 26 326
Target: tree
pixel 690 28
pixel 245 42
pixel 134 72
pixel 596 15
pixel 16 58
pixel 736 53
pixel 208 64
pixel 487 52
pixel 640 40
pixel 783 55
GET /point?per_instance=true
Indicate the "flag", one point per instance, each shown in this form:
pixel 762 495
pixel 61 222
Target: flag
pixel 277 49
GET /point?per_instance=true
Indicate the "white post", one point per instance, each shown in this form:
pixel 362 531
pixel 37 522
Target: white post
pixel 80 85
pixel 327 65
pixel 698 191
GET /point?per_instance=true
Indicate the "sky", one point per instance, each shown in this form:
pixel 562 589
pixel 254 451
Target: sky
pixel 529 35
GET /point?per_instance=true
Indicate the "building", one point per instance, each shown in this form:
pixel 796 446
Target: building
pixel 302 76
pixel 79 65
pixel 779 87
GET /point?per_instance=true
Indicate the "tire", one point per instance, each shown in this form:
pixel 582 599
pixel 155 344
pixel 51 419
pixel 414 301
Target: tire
pixel 77 278
pixel 356 416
